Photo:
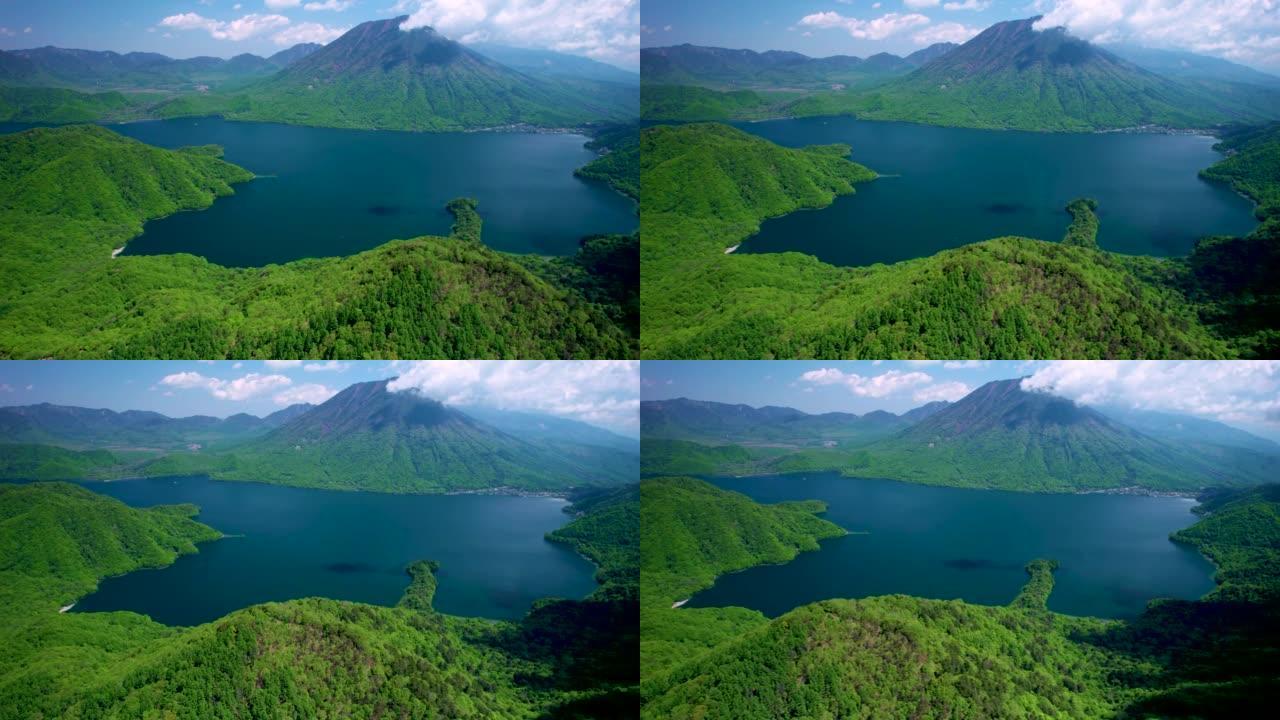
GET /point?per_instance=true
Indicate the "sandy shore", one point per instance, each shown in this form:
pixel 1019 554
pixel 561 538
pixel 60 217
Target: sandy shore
pixel 678 603
pixel 117 251
pixel 66 608
pixel 730 250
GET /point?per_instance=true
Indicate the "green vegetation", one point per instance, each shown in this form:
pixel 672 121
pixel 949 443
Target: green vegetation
pixel 1083 230
pixel 619 165
pixel 708 187
pixel 607 532
pixel 312 658
pixel 999 436
pixel 1008 77
pixel 899 656
pixel 71 195
pixel 46 462
pixel 422 586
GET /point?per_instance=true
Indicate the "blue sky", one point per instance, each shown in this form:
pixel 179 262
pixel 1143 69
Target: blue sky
pixel 606 30
pixel 1239 30
pixel 1239 393
pixel 603 393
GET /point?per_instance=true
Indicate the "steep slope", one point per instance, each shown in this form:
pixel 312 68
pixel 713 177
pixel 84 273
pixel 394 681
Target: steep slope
pixel 289 56
pixel 72 195
pixel 1002 436
pixel 57 540
pixel 369 438
pixel 708 187
pixel 379 76
pixel 1012 75
pixel 927 55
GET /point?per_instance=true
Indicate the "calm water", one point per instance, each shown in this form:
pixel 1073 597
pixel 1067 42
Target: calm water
pixel 337 192
pixel 952 186
pixel 1114 551
pixel 294 543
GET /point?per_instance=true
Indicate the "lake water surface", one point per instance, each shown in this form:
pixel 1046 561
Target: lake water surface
pixel 293 542
pixel 946 187
pixel 326 192
pixel 1114 550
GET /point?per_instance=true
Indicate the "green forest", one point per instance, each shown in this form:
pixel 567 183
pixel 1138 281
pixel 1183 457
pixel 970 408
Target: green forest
pixel 902 656
pixel 72 195
pixel 707 187
pixel 313 658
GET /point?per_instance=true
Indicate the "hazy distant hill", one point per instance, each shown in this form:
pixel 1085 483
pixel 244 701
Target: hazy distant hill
pixel 549 63
pixel 774 69
pixel 1182 64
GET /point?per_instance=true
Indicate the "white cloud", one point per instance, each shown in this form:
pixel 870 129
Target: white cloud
pixel 6 387
pixel 875 386
pixel 598 392
pixel 330 366
pixel 281 4
pixel 917 4
pixel 310 393
pixel 874 29
pixel 282 364
pixel 6 32
pixel 1237 391
pixel 241 388
pixel 238 29
pixel 965 364
pixel 237 366
pixel 308 32
pixel 1241 30
pixel 945 32
pixel 607 30
pixel 334 5
pixel 26 29
pixel 949 391
pixel 975 5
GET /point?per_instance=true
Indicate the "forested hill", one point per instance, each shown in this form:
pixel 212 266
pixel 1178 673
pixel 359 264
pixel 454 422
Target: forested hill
pixel 71 195
pixel 302 658
pixel 708 187
pixel 903 656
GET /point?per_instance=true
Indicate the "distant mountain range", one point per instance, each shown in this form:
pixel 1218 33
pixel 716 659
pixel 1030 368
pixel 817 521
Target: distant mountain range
pixel 1011 75
pixel 548 63
pixel 998 436
pixel 95 70
pixel 363 438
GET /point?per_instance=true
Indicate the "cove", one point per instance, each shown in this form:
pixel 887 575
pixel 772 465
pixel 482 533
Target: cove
pixel 286 543
pixel 947 543
pixel 945 187
pixel 325 192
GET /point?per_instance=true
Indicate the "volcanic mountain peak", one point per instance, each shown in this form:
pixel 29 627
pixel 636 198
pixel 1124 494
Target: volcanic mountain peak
pixel 1004 404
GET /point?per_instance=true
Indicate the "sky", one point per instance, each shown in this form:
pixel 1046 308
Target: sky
pixel 1243 31
pixel 602 393
pixel 1244 394
pixel 604 30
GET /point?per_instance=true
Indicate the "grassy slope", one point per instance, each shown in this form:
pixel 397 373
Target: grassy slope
pixel 903 656
pixel 90 190
pixel 708 187
pixel 304 658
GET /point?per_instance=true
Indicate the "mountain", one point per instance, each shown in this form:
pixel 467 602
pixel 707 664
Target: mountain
pixel 774 69
pixel 917 414
pixel 289 56
pixel 931 53
pixel 1182 64
pixel 1001 436
pixel 1012 75
pixel 380 76
pixel 548 63
pixel 79 428
pixel 105 70
pixel 551 429
pixel 369 438
pixel 1187 430
pixel 716 423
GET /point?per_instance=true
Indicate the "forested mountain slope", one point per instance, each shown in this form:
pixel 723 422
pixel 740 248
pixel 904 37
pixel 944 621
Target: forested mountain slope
pixel 71 195
pixel 707 187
